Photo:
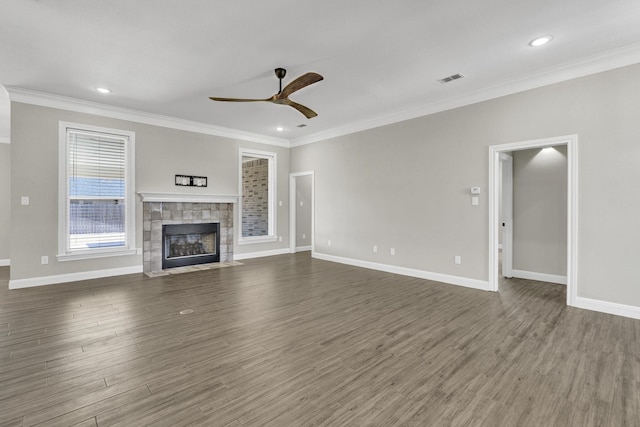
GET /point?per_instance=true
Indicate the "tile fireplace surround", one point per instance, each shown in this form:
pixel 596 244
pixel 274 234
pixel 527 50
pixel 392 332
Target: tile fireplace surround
pixel 158 213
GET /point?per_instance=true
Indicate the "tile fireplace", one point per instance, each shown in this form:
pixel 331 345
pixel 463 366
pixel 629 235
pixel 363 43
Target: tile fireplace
pixel 163 215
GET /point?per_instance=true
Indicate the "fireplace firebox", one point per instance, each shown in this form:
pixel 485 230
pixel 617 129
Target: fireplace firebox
pixel 190 244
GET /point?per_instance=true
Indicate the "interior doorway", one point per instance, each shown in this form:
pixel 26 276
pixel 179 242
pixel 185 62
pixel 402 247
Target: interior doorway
pixel 497 160
pixel 301 211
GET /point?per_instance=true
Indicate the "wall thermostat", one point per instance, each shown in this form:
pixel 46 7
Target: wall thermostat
pixel 475 190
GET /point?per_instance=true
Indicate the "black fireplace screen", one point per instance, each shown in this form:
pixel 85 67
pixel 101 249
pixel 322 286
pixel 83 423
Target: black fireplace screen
pixel 190 244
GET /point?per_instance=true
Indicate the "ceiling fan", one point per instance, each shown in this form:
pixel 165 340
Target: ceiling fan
pixel 282 97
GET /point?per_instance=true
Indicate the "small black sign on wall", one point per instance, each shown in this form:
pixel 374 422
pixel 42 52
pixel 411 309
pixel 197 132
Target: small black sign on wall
pixel 191 181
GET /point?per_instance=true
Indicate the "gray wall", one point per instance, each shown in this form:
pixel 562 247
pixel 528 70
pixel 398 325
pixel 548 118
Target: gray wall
pixel 161 153
pixel 5 200
pixel 540 210
pixel 303 213
pixel 406 185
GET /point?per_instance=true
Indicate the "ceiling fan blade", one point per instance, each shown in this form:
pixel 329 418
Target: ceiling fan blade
pixel 213 98
pixel 308 112
pixel 301 82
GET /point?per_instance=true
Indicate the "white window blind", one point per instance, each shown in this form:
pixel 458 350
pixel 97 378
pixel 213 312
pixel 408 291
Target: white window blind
pixel 96 190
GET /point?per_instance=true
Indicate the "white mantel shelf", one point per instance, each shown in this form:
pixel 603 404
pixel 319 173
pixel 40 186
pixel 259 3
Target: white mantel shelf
pixel 188 198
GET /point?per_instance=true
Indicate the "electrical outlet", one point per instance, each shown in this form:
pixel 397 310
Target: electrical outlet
pixel 24 200
pixel 393 251
pixel 457 259
pixel 301 203
pixel 375 249
pixel 279 238
pixel 328 242
pixel 304 236
pixel 280 203
pixel 44 259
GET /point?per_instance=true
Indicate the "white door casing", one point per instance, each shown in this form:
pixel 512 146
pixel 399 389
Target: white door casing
pixel 292 210
pixel 571 141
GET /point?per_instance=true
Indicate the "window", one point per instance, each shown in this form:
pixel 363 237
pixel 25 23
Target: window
pixel 257 190
pixel 96 206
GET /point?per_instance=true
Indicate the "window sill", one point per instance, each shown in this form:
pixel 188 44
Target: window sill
pixel 95 254
pixel 259 239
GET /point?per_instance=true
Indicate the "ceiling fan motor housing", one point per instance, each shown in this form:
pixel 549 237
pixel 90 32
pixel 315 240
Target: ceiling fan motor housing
pixel 280 73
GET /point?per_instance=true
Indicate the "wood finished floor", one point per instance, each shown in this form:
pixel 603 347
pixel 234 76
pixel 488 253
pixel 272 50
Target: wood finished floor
pixel 292 341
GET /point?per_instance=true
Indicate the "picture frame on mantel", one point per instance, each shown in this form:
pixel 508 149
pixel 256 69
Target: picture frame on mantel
pixel 191 181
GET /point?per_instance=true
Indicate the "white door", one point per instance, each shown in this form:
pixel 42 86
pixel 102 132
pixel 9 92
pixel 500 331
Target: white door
pixel 506 226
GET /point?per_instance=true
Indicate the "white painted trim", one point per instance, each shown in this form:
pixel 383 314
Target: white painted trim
pixel 5 262
pixel 303 248
pixel 421 274
pixel 5 140
pixel 541 277
pixel 272 157
pixel 571 141
pixel 292 208
pixel 72 277
pixel 44 99
pixel 239 257
pixel 64 253
pixel 608 307
pixel 257 239
pixel 615 58
pixel 188 198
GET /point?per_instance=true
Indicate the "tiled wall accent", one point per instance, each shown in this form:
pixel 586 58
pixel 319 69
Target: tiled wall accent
pixel 156 214
pixel 255 198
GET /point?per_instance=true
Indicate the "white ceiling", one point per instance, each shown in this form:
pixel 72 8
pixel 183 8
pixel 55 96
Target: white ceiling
pixel 380 59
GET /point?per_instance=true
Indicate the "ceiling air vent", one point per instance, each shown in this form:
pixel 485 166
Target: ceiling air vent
pixel 451 78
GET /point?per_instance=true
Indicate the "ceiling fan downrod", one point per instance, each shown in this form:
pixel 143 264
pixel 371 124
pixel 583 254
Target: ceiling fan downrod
pixel 280 73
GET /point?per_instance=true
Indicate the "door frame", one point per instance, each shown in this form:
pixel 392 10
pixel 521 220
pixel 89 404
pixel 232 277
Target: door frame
pixel 292 210
pixel 571 141
pixel 506 163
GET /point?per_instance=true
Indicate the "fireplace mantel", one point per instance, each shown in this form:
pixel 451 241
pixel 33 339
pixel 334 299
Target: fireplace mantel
pixel 188 198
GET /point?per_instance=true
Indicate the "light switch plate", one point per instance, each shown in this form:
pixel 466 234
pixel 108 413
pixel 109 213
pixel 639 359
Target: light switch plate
pixel 24 200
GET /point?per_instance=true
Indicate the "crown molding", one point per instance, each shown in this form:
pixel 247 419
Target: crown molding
pixel 44 99
pixel 612 59
pixel 609 60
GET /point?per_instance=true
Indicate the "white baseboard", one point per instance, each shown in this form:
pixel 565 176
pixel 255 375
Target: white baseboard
pixel 421 274
pixel 239 257
pixel 608 307
pixel 5 262
pixel 303 248
pixel 72 277
pixel 541 277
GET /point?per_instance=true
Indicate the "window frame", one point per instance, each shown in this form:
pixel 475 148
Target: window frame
pixel 129 248
pixel 273 160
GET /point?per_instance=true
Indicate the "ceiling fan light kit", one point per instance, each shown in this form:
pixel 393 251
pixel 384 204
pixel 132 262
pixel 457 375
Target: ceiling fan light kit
pixel 282 97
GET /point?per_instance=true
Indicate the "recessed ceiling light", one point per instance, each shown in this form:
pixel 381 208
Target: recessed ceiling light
pixel 279 128
pixel 103 90
pixel 540 41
